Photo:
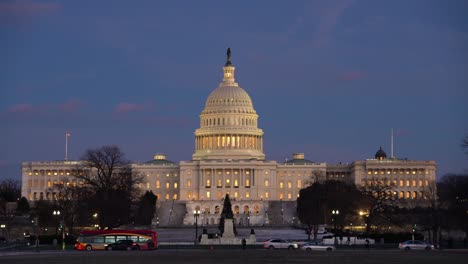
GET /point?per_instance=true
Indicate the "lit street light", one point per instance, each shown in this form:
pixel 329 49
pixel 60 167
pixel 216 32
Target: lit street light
pixel 196 214
pixel 335 214
pixel 62 227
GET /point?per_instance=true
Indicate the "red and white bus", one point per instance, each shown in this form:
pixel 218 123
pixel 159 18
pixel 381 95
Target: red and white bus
pixel 99 239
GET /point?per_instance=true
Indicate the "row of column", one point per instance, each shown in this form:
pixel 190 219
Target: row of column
pixel 229 142
pixel 213 176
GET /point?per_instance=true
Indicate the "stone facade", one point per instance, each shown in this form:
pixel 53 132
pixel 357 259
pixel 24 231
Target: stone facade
pixel 229 159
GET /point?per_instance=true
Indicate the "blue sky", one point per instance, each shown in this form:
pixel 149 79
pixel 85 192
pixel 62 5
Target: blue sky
pixel 327 78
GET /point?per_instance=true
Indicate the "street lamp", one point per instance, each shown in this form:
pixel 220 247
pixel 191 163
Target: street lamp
pixel 196 214
pixel 335 214
pixel 56 214
pixel 62 227
pixel 96 224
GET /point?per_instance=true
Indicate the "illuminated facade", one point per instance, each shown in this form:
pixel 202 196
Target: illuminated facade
pixel 229 159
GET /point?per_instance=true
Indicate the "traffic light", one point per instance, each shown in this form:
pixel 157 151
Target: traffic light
pixel 414 228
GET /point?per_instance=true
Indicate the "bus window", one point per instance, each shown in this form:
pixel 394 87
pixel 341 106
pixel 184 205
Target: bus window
pixel 110 239
pixel 99 239
pixel 120 238
pixel 133 238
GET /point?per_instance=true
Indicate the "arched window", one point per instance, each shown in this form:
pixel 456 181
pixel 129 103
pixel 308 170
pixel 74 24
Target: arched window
pixel 267 183
pixel 236 209
pixel 217 209
pixel 246 209
pixel 256 209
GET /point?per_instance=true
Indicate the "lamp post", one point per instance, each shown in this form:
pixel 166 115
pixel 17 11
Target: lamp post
pixel 62 227
pixel 56 213
pixel 335 214
pixel 196 214
pixel 96 224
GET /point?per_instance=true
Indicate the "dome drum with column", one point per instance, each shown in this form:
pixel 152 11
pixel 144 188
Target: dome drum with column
pixel 228 124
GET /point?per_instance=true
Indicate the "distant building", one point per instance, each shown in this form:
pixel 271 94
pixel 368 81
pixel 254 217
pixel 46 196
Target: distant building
pixel 229 159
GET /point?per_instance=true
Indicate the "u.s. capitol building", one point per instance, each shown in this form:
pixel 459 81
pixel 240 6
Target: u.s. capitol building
pixel 229 159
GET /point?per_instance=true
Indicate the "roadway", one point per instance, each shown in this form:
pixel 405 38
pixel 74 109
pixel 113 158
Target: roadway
pixel 228 256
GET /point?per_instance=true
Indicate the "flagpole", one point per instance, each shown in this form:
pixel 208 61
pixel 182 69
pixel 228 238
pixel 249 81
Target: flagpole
pixel 66 146
pixel 391 144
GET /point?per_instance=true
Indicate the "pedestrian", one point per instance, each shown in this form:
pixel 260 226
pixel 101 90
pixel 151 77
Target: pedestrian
pixel 244 243
pixel 367 243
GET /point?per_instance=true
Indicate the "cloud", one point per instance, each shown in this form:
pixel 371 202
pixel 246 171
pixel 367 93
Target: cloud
pixel 21 108
pixel 129 107
pixel 353 75
pixel 329 16
pixel 70 106
pixel 27 8
pixel 25 108
pixel 19 13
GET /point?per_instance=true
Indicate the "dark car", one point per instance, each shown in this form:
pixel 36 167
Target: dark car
pixel 123 245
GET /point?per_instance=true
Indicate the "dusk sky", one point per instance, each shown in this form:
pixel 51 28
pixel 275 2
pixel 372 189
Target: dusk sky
pixel 327 78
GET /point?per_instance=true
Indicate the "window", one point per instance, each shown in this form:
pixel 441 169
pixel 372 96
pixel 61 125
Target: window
pixel 147 185
pixel 420 183
pixel 401 183
pixel 236 183
pixel 236 194
pixel 267 183
pixel 208 195
pixel 289 196
pixel 407 184
pixel 247 183
pixel 247 194
pixel 281 196
pixel 299 184
pixel 175 185
pixel 167 196
pixel 289 185
pixel 208 183
pixel 267 195
pixel 174 196
pixel 167 185
pixel 220 183
pixel 281 184
pixel 414 183
pixel 189 183
pixel 363 183
pixel 228 183
pixel 158 184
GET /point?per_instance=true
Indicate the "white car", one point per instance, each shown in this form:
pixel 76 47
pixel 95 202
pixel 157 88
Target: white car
pixel 280 243
pixel 309 246
pixel 414 245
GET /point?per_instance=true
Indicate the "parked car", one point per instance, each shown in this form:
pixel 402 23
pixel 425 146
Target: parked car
pixel 415 245
pixel 280 243
pixel 315 245
pixel 123 245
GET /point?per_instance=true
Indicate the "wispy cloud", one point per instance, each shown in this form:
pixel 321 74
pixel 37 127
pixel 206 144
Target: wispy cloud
pixel 71 106
pixel 329 15
pixel 22 108
pixel 27 8
pixel 126 107
pixel 16 13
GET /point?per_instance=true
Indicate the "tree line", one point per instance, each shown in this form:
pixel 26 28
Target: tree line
pixel 105 196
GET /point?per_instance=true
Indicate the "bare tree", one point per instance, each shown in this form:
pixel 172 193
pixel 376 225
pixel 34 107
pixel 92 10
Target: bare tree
pixel 112 182
pixel 378 200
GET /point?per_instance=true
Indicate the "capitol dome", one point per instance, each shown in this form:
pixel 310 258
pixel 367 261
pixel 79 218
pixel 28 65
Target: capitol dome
pixel 228 123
